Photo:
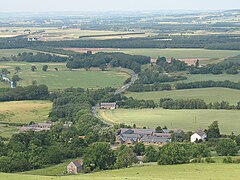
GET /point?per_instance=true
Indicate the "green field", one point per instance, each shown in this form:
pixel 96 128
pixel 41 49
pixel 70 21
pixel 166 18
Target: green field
pixel 206 77
pixel 207 94
pixel 181 53
pixel 13 52
pixel 188 120
pixel 64 78
pixel 22 112
pixel 217 171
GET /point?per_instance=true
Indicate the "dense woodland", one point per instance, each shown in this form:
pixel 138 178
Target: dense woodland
pixel 227 42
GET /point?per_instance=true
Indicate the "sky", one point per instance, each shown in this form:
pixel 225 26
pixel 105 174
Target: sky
pixel 114 5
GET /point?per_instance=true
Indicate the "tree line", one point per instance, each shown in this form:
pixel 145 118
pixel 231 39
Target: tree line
pixel 191 85
pixel 169 103
pixel 32 92
pixel 38 57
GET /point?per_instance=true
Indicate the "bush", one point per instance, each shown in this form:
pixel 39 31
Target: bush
pixel 197 160
pixel 227 160
pixel 209 160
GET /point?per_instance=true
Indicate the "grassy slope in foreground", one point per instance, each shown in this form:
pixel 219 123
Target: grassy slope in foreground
pixel 184 119
pixel 218 171
pixel 207 94
pixel 64 78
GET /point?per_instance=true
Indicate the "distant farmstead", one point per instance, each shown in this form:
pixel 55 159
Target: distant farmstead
pixel 145 136
pixel 75 167
pixel 108 105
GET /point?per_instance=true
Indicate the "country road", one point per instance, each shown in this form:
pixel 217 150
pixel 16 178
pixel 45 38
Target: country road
pixel 120 90
pixel 134 77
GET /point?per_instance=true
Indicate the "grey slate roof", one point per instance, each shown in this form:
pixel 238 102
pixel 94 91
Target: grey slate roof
pixel 154 139
pixel 77 163
pixel 201 133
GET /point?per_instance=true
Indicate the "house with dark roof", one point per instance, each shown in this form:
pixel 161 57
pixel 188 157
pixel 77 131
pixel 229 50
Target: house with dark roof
pixel 75 167
pixel 146 136
pixel 198 135
pixel 148 140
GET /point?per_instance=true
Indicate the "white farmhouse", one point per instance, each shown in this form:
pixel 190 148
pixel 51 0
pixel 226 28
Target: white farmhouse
pixel 199 134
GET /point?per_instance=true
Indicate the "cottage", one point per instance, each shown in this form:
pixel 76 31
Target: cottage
pixel 112 105
pixel 198 135
pixel 75 167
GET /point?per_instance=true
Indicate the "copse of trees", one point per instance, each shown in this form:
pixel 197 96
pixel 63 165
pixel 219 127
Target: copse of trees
pixel 101 59
pixel 173 65
pixel 181 153
pixel 149 76
pixel 219 68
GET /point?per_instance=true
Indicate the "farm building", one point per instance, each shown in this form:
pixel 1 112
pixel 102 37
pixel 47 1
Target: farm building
pixel 146 136
pixel 112 105
pixel 37 127
pixel 75 167
pixel 199 135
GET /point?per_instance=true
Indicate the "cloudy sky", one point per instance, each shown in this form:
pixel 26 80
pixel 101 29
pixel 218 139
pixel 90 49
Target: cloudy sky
pixel 114 5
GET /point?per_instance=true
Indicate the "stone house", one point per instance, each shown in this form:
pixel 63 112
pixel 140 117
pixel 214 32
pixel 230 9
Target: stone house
pixel 75 167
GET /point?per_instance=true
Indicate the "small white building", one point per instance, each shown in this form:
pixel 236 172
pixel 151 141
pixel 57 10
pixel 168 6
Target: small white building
pixel 199 135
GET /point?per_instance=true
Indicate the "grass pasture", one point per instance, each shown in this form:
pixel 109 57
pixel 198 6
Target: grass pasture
pixel 21 112
pixel 207 94
pixel 64 78
pixel 188 120
pixel 207 77
pixel 182 53
pixel 217 171
pixel 187 55
pixel 13 52
pixel 24 111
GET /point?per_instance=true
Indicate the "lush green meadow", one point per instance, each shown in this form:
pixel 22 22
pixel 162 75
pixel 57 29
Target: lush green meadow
pixel 188 120
pixel 65 78
pixel 21 112
pixel 207 94
pixel 149 171
pixel 24 111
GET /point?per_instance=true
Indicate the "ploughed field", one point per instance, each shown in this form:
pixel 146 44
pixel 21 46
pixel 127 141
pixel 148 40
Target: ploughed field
pixel 65 78
pixel 188 120
pixel 207 94
pixel 147 171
